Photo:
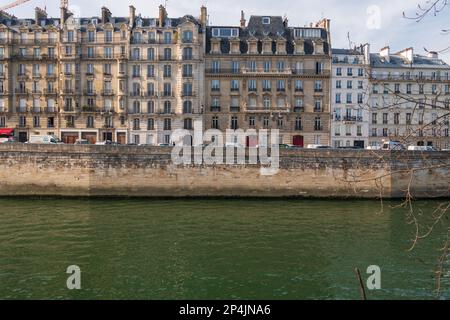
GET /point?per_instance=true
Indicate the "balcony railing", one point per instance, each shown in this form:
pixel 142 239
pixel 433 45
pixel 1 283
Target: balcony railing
pixel 108 92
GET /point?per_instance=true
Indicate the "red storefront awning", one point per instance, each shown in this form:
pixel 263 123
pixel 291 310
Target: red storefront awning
pixel 6 132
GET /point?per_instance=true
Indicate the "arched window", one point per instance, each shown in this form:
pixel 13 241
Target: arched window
pixel 187 107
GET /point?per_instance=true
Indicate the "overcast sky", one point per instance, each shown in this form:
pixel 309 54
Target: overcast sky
pixel 379 22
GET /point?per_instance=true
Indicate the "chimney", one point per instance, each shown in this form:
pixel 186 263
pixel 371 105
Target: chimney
pixel 243 21
pixel 433 55
pixel 324 24
pixel 39 14
pixel 64 13
pixel 162 16
pixel 203 16
pixel 408 54
pixel 106 15
pixel 385 53
pixel 132 16
pixel 366 51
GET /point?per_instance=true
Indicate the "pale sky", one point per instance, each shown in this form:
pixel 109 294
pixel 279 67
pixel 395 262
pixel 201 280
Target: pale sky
pixel 379 22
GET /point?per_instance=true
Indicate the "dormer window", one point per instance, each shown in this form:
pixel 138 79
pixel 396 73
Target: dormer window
pixel 225 32
pixel 94 21
pixel 265 20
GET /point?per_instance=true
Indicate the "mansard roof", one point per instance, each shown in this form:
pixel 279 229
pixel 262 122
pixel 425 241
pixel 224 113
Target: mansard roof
pixel 398 61
pixel 276 29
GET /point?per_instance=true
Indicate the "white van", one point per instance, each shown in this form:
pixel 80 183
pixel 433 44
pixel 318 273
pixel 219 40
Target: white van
pixel 44 140
pixel 392 145
pixel 421 148
pixel 317 146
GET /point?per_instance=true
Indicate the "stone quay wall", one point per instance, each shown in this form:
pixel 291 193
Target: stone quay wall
pixel 134 171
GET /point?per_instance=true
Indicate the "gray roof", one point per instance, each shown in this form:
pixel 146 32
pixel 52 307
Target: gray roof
pixel 346 51
pixel 398 61
pixel 274 31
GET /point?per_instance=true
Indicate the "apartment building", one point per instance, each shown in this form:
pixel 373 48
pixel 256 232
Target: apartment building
pixel 29 70
pixel 268 75
pixel 165 76
pixel 124 79
pixel 409 98
pixel 349 94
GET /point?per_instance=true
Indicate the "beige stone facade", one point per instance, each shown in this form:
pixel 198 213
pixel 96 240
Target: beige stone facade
pixel 267 75
pixel 124 79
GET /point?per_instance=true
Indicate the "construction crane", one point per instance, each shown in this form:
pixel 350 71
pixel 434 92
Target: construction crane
pixel 14 4
pixel 64 4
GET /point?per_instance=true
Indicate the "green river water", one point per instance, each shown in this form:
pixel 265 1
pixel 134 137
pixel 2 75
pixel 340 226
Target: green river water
pixel 212 249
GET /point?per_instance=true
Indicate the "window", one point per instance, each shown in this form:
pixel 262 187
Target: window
pixel 307 33
pixel 265 20
pixel 188 36
pixel 187 54
pixel 281 86
pixel 167 124
pixel 136 124
pixel 215 122
pixel 187 107
pixel 151 124
pixel 225 32
pixel 234 85
pixel 215 85
pixel 151 107
pixel 267 101
pixel 90 122
pixel 318 124
pixel 298 85
pixel 187 70
pixel 252 85
pixel 188 124
pixel 167 107
pixel 234 123
pixel 298 124
pixel 36 121
pixel 252 121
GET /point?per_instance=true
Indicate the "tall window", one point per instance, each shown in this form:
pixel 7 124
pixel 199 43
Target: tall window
pixel 188 124
pixel 187 107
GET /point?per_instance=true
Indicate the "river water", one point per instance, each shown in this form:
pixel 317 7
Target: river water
pixel 212 249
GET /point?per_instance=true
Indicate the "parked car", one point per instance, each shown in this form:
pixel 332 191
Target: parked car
pixel 373 147
pixel 421 148
pixel 44 139
pixel 392 145
pixel 317 146
pixel 107 143
pixel 82 142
